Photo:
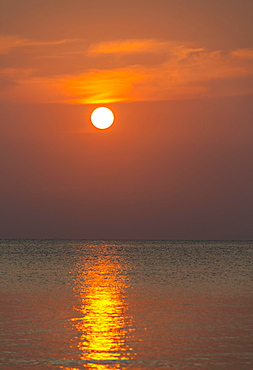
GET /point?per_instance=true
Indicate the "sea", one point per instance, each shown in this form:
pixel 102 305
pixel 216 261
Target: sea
pixel 131 304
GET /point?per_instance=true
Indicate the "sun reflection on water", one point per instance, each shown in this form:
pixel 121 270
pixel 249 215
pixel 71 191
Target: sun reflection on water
pixel 106 327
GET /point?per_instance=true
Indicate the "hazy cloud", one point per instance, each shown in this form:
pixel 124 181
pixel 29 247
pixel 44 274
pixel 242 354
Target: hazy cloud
pixel 128 47
pixel 243 53
pixel 188 72
pixel 10 42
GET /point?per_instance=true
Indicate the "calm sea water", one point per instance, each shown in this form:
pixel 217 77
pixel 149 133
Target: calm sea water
pixel 109 305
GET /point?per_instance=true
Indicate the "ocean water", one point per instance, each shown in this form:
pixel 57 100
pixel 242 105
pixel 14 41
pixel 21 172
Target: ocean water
pixel 107 305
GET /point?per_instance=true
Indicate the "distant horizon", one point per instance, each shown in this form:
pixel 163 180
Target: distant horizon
pixel 168 240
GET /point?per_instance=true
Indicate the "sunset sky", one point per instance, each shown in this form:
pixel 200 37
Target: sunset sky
pixel 177 162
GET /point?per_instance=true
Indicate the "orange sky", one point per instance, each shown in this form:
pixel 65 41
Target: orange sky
pixel 176 163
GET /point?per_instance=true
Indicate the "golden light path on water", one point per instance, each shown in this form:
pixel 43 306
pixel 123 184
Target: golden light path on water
pixel 105 325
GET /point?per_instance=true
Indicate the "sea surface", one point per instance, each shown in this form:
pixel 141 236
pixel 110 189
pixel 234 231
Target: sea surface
pixel 107 305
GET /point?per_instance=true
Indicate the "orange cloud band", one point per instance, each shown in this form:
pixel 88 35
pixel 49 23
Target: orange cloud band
pixel 187 73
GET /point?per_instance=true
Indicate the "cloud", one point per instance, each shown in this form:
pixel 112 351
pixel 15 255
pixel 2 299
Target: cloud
pixel 9 77
pixel 10 42
pixel 22 85
pixel 131 46
pixel 185 72
pixel 188 73
pixel 104 86
pixel 243 53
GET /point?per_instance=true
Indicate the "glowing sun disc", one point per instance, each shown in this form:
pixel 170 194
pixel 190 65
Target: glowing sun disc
pixel 102 118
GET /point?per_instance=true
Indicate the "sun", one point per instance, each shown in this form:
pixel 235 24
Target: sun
pixel 102 118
